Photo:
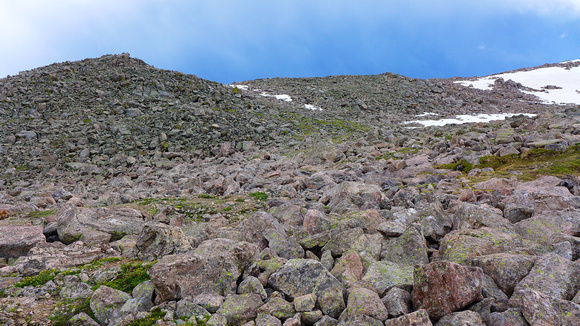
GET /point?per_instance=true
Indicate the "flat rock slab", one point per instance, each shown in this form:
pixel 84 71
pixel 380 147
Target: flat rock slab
pixel 16 241
pixel 419 317
pixel 299 277
pixel 444 287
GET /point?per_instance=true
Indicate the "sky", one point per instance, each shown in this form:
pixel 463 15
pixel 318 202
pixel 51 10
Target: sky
pixel 232 41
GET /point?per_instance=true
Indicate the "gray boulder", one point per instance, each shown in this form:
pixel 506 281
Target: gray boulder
pixel 16 241
pixel 157 240
pixel 213 267
pixel 240 308
pixel 362 301
pixel 106 304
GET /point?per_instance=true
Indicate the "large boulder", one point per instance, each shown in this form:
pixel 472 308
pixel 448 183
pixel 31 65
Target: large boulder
pixel 240 308
pixel 445 287
pixel 213 267
pixel 461 246
pixel 552 276
pixel 505 269
pixel 419 317
pixel 541 309
pixel 408 249
pixel 157 240
pixel 471 216
pixel 299 277
pixel 362 301
pixel 97 224
pixel 348 196
pixel 385 275
pixel 16 241
pixel 106 304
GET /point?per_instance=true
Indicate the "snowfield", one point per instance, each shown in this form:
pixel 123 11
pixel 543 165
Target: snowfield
pixel 553 85
pixel 461 119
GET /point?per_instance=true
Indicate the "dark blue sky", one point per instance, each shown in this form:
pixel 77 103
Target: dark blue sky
pixel 229 41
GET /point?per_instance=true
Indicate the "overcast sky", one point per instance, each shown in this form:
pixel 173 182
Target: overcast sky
pixel 229 41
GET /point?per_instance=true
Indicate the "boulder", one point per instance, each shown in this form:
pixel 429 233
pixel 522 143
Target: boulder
pixel 510 317
pixel 97 224
pixel 419 317
pixel 157 240
pixel 278 308
pixel 408 249
pixel 384 275
pixel 398 302
pixel 106 304
pixel 542 309
pixel 299 277
pixel 472 216
pixel 505 269
pixel 282 245
pixel 252 228
pixel 16 241
pixel 462 318
pixel 240 308
pixel 214 267
pixel 445 287
pixel 252 285
pixel 518 207
pixel 552 276
pixel 362 301
pixel 349 268
pixel 462 246
pixel 348 196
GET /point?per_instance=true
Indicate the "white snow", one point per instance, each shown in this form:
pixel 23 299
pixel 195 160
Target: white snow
pixel 568 80
pixel 426 114
pixel 461 119
pixel 243 87
pixel 312 107
pixel 282 97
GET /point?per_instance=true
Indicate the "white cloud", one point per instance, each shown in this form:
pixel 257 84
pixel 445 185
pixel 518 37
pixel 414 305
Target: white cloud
pixel 567 8
pixel 563 35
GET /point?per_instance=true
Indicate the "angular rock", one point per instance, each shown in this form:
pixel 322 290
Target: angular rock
pixel 505 269
pixel 82 319
pixel 209 301
pixel 385 275
pixel 252 285
pixel 331 302
pixel 419 317
pixel 471 216
pixel 510 317
pixel 157 240
pixel 341 241
pixel 264 319
pixel 348 196
pixel 106 303
pixel 316 222
pixel 542 309
pixel 362 320
pixel 252 228
pixel 278 308
pixel 462 246
pixel 398 302
pixel 240 308
pixel 518 207
pixel 445 287
pixel 326 321
pixel 349 268
pixel 284 246
pixel 299 277
pixel 552 276
pixel 97 224
pixel 213 267
pixel 16 241
pixel 408 249
pixel 462 318
pixel 305 303
pixel 186 308
pixel 363 301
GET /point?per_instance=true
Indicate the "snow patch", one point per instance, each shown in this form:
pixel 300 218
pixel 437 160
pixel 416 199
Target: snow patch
pixel 242 87
pixel 312 107
pixel 542 81
pixel 461 119
pixel 426 114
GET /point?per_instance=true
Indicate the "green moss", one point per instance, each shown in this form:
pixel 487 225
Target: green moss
pixel 155 315
pixel 259 195
pixel 37 280
pixel 132 274
pixel 461 165
pixel 70 308
pixel 39 214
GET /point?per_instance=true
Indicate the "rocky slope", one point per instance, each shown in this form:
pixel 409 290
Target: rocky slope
pixel 131 195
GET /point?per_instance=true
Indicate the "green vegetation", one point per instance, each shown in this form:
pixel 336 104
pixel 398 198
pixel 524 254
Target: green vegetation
pixel 70 308
pixel 259 195
pixel 155 315
pixel 132 274
pixel 536 162
pixel 461 165
pixel 37 280
pixel 40 214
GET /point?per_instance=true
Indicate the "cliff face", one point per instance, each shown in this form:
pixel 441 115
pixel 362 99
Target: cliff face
pixel 129 193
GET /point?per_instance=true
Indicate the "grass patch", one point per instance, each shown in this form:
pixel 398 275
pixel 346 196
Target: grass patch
pixel 536 162
pixel 37 280
pixel 461 165
pixel 71 308
pixel 132 274
pixel 155 315
pixel 39 214
pixel 259 195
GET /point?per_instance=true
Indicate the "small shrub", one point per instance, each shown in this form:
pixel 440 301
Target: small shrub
pixel 37 280
pixel 131 275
